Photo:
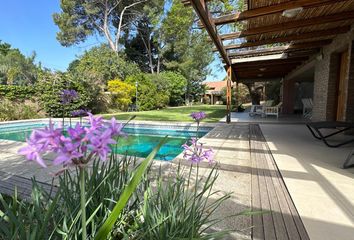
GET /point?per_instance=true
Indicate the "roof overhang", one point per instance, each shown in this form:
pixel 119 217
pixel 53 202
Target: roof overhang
pixel 270 46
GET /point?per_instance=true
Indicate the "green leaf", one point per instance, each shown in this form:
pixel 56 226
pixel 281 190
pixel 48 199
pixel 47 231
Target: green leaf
pixel 106 228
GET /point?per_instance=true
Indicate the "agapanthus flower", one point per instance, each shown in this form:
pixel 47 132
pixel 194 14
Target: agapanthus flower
pixel 33 149
pixel 198 116
pixel 78 146
pixel 196 153
pixel 79 113
pixel 68 95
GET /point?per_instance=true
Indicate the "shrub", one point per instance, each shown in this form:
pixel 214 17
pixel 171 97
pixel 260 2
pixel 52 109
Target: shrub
pixel 49 88
pixel 122 93
pixel 173 84
pixel 19 93
pixel 150 96
pixel 103 64
pixel 11 110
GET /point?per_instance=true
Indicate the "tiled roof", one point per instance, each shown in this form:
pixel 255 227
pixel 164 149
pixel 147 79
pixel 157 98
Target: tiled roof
pixel 216 86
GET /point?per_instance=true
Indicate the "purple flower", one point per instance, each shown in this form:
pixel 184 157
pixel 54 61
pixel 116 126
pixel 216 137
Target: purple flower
pixel 195 153
pixel 33 149
pixel 68 95
pixel 95 123
pixel 116 127
pixel 100 144
pixel 198 116
pixel 79 113
pixel 68 152
pixel 81 144
pixel 49 136
pixel 77 132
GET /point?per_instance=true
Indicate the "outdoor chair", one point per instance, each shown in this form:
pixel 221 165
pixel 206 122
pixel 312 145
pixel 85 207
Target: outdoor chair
pixel 132 108
pixel 272 111
pixel 347 163
pixel 338 127
pixel 307 107
pixel 258 109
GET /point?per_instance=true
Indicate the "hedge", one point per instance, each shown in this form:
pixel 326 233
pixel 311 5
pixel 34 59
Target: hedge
pixel 13 92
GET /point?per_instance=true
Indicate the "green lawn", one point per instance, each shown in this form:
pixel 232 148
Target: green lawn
pixel 178 114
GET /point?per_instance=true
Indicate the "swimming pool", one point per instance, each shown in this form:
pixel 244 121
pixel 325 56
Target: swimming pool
pixel 140 141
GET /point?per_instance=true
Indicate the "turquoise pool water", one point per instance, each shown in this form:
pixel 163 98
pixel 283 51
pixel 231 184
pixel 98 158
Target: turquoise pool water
pixel 140 140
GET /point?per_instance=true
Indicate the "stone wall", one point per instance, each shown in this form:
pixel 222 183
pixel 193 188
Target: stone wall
pixel 325 79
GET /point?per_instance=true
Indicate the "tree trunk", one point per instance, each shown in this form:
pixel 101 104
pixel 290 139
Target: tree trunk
pixel 255 93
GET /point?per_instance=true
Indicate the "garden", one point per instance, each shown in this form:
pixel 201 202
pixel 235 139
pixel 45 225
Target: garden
pixel 150 66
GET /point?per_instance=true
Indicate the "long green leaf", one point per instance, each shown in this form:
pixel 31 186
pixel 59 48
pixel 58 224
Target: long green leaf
pixel 106 228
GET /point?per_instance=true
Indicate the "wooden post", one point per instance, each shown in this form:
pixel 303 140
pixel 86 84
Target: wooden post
pixel 228 95
pixel 237 100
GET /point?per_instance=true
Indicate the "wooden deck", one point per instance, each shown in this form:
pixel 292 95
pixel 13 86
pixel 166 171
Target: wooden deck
pixel 269 193
pixel 8 182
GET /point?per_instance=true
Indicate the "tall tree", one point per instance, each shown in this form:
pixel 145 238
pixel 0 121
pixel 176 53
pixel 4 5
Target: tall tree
pixel 186 49
pixel 167 38
pixel 79 19
pixel 16 68
pixel 142 48
pixel 100 64
pixel 142 42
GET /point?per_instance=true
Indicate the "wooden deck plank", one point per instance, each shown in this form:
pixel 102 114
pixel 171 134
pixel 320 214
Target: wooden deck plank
pixel 21 180
pixel 257 220
pixel 294 213
pixel 285 218
pixel 268 222
pixel 8 182
pixel 288 217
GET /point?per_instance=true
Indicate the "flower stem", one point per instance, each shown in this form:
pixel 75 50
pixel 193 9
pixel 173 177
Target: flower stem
pixel 83 202
pixel 197 130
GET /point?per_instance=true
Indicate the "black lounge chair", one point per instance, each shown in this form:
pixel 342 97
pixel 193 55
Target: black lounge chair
pixel 347 163
pixel 315 129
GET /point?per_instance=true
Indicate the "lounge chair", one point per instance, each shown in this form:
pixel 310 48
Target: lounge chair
pixel 316 127
pixel 347 163
pixel 272 111
pixel 258 109
pixel 307 107
pixel 132 108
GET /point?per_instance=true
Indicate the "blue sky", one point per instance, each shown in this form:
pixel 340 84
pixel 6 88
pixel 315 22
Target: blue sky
pixel 28 26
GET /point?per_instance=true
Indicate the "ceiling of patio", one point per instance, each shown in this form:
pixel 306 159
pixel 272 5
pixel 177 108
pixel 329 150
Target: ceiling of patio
pixel 270 45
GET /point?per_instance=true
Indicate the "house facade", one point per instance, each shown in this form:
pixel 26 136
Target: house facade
pixel 331 73
pixel 214 92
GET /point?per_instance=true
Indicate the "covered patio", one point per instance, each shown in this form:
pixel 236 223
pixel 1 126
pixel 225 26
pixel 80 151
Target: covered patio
pixel 306 46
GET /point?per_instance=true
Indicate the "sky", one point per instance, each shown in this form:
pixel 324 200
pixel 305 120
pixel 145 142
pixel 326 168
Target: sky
pixel 28 26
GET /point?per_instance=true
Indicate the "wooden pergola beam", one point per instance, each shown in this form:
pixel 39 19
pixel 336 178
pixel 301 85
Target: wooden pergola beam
pixel 343 16
pixel 278 8
pixel 266 69
pixel 289 38
pixel 287 26
pixel 272 50
pixel 201 9
pixel 254 76
pixel 271 62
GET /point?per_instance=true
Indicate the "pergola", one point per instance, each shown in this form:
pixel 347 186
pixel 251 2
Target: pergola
pixel 277 36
